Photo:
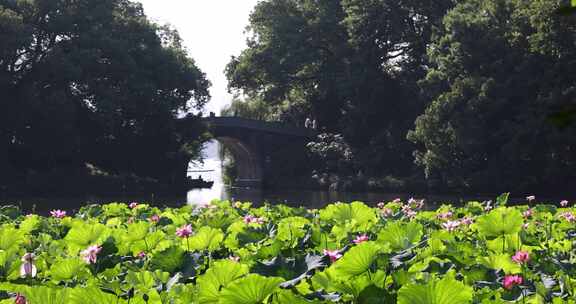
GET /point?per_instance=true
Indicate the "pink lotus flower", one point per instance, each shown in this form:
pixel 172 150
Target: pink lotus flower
pixel 142 254
pixel 408 212
pixel 28 269
pixel 397 200
pixel 569 216
pixel 521 257
pixel 564 203
pixel 249 219
pixel 361 239
pixel 530 198
pixel 386 212
pixel 58 213
pixel 20 299
pixel 512 280
pixel 451 225
pixel 332 254
pixel 133 205
pixel 130 220
pixel 419 204
pixel 445 215
pixel 381 205
pixel 90 254
pixel 525 226
pixel 528 213
pixel 184 231
pixel 466 221
pixel 155 218
pixel 234 258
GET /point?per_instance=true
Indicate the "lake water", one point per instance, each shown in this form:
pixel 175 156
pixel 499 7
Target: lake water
pixel 212 170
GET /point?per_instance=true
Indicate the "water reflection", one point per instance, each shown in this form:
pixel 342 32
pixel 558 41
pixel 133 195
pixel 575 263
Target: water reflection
pixel 213 163
pixel 310 199
pixel 209 170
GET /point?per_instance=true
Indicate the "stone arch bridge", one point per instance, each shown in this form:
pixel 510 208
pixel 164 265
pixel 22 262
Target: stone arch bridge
pixel 258 146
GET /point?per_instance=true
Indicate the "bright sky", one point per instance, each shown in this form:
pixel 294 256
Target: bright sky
pixel 212 30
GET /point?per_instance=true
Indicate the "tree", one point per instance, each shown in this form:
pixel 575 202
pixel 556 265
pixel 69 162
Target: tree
pixel 92 81
pixel 499 69
pixel 350 64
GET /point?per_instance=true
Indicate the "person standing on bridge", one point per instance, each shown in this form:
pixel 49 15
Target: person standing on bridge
pixel 314 125
pixel 307 123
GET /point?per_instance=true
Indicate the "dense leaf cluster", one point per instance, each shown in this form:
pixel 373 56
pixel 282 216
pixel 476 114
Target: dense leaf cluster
pixel 464 94
pixel 343 253
pixel 92 81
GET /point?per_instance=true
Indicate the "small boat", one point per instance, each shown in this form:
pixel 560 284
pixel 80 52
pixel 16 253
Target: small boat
pixel 195 183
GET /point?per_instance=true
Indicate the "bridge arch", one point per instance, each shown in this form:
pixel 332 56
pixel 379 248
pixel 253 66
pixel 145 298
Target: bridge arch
pixel 252 143
pixel 247 160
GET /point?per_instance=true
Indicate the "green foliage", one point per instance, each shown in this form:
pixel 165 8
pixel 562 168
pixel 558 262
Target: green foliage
pixel 444 291
pixel 67 269
pixel 500 221
pixel 356 214
pixel 498 70
pixel 251 289
pixel 401 236
pixel 350 64
pixel 468 94
pixel 86 81
pixel 207 238
pixel 220 275
pixel 396 260
pixel 357 260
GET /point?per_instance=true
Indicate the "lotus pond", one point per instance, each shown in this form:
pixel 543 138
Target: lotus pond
pixel 232 252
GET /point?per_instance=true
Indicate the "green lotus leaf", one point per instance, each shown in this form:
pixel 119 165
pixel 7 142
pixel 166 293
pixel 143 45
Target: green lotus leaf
pixel 400 235
pixel 287 296
pixel 501 262
pixel 330 280
pixel 445 291
pixel 137 231
pixel 251 289
pixel 500 221
pixel 67 269
pixel 84 234
pixel 91 295
pixel 115 209
pixel 30 223
pixel 38 294
pixel 218 276
pixel 340 213
pixel 10 237
pixel 153 242
pixel 502 200
pixel 291 229
pixel 357 260
pixel 207 238
pixel 141 280
pixel 168 260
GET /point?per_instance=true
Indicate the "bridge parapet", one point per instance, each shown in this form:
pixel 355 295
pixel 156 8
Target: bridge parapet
pixel 259 125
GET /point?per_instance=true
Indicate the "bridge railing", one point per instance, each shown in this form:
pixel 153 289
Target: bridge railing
pixel 266 126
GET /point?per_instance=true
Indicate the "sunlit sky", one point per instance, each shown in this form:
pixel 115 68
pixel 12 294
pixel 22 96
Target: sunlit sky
pixel 212 30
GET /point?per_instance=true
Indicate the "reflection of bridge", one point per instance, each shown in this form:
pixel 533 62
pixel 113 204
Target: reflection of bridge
pixel 255 144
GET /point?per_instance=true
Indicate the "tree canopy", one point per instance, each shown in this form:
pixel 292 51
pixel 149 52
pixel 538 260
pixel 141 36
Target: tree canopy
pixel 455 92
pixel 499 70
pixel 92 81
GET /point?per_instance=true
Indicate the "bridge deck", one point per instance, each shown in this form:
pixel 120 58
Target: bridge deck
pixel 264 126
